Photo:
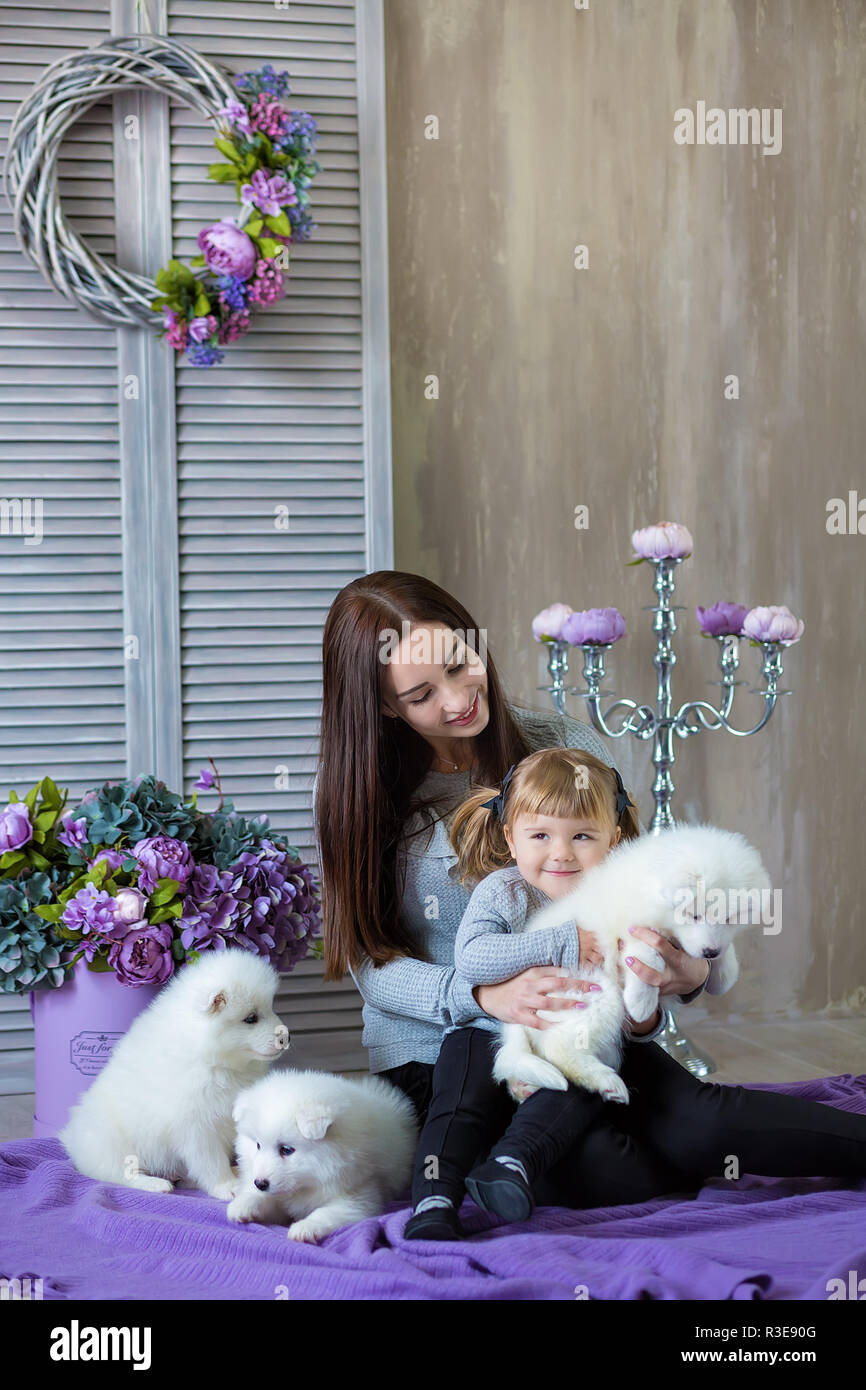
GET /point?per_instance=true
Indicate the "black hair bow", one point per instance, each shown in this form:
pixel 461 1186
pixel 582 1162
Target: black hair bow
pixel 496 804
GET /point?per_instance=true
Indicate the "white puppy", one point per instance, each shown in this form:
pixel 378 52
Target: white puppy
pixel 321 1151
pixel 161 1108
pixel 695 883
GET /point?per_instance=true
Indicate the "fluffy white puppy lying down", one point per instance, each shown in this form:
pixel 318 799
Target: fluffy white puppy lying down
pixel 161 1108
pixel 695 883
pixel 321 1151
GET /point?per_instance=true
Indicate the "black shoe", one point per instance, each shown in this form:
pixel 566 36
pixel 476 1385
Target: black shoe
pixel 494 1187
pixel 436 1223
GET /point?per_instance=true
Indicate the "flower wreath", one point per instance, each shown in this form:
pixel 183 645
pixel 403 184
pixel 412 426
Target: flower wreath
pixel 272 166
pixel 270 160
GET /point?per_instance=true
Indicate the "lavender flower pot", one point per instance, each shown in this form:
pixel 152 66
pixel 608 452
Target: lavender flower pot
pixel 75 1028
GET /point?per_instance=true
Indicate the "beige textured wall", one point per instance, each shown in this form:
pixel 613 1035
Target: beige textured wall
pixel 605 386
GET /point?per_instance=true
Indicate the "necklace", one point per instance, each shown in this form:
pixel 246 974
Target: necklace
pixel 455 767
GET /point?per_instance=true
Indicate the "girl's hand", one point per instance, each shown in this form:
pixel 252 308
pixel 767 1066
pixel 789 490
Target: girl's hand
pixel 516 1000
pixel 590 951
pixel 680 973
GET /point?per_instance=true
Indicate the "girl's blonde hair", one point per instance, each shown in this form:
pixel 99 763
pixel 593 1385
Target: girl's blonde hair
pixel 562 782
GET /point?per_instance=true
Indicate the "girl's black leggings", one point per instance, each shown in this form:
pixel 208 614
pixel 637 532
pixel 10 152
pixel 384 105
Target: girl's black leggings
pixel 581 1151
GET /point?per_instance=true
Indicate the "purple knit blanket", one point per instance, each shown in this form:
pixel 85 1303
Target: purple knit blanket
pixel 758 1238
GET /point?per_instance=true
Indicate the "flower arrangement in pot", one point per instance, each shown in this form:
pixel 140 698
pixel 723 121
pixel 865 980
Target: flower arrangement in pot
pixel 137 881
pixel 133 883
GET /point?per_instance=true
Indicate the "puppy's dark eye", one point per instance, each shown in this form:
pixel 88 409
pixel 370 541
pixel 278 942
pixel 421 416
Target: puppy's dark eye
pixel 258 1145
pixel 251 1018
pixel 285 1150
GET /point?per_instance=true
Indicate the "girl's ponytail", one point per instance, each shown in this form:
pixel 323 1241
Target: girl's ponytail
pixel 477 838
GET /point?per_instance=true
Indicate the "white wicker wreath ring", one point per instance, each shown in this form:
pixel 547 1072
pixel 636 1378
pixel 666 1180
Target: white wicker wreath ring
pixel 66 90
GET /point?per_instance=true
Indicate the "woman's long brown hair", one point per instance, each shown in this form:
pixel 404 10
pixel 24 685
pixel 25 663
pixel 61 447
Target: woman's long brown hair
pixel 370 765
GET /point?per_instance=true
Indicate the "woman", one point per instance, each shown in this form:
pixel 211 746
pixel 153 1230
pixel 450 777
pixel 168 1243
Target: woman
pixel 413 713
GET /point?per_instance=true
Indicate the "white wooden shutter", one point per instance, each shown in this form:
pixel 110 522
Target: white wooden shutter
pixel 286 420
pixel 61 652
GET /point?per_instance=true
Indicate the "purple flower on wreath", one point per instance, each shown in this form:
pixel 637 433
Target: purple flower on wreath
pixel 235 114
pixel 233 292
pixel 267 116
pixel 234 326
pixel 263 79
pixel 176 329
pixel 143 956
pixel 299 133
pixel 269 190
pixel 202 328
pixel 227 249
pixel 162 857
pixel 203 355
pixel 267 283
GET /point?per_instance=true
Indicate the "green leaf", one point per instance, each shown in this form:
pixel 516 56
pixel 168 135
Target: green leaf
pixel 279 224
pixel 39 861
pixel 177 949
pixel 49 911
pixel 197 260
pixel 158 303
pixel 249 164
pixel 202 306
pixel 175 909
pixel 269 247
pixel 46 817
pixel 99 965
pixel 30 798
pixel 51 793
pixel 165 890
pixel 182 273
pixel 228 149
pixel 254 226
pixel 162 914
pixel 222 173
pixel 12 859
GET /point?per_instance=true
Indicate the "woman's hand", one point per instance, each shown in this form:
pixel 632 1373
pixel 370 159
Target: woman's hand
pixel 516 1000
pixel 680 973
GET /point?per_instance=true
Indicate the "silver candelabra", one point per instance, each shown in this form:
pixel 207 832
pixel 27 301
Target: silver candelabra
pixel 661 724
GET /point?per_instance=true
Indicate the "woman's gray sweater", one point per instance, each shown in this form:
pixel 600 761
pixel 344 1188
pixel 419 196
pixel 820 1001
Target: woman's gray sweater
pixel 408 1004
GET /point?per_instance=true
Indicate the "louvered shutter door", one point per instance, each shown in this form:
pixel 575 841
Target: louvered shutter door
pixel 278 424
pixel 61 612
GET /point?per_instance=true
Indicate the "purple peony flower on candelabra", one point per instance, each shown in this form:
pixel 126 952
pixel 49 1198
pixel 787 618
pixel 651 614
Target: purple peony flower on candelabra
pixel 547 625
pixel 722 619
pixel 597 625
pixel 227 250
pixel 143 956
pixel 667 539
pixel 161 857
pixel 15 827
pixel 773 624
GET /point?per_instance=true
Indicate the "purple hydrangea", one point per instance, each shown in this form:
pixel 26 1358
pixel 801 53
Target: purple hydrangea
pixel 266 902
pixel 91 912
pixel 162 857
pixel 233 292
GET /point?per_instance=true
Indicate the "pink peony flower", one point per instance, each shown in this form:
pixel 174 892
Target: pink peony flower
pixel 227 250
pixel 774 624
pixel 665 539
pixel 598 625
pixel 547 625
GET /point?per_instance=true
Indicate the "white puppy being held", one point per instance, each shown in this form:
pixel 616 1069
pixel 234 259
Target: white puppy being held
pixel 693 883
pixel 321 1151
pixel 160 1110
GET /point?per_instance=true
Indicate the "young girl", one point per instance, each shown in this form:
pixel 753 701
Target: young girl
pixel 557 815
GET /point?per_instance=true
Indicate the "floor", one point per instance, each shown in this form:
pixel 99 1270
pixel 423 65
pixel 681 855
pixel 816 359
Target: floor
pixel 795 1050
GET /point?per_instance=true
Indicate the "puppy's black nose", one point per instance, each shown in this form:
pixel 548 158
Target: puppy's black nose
pixel 710 954
pixel 262 1184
